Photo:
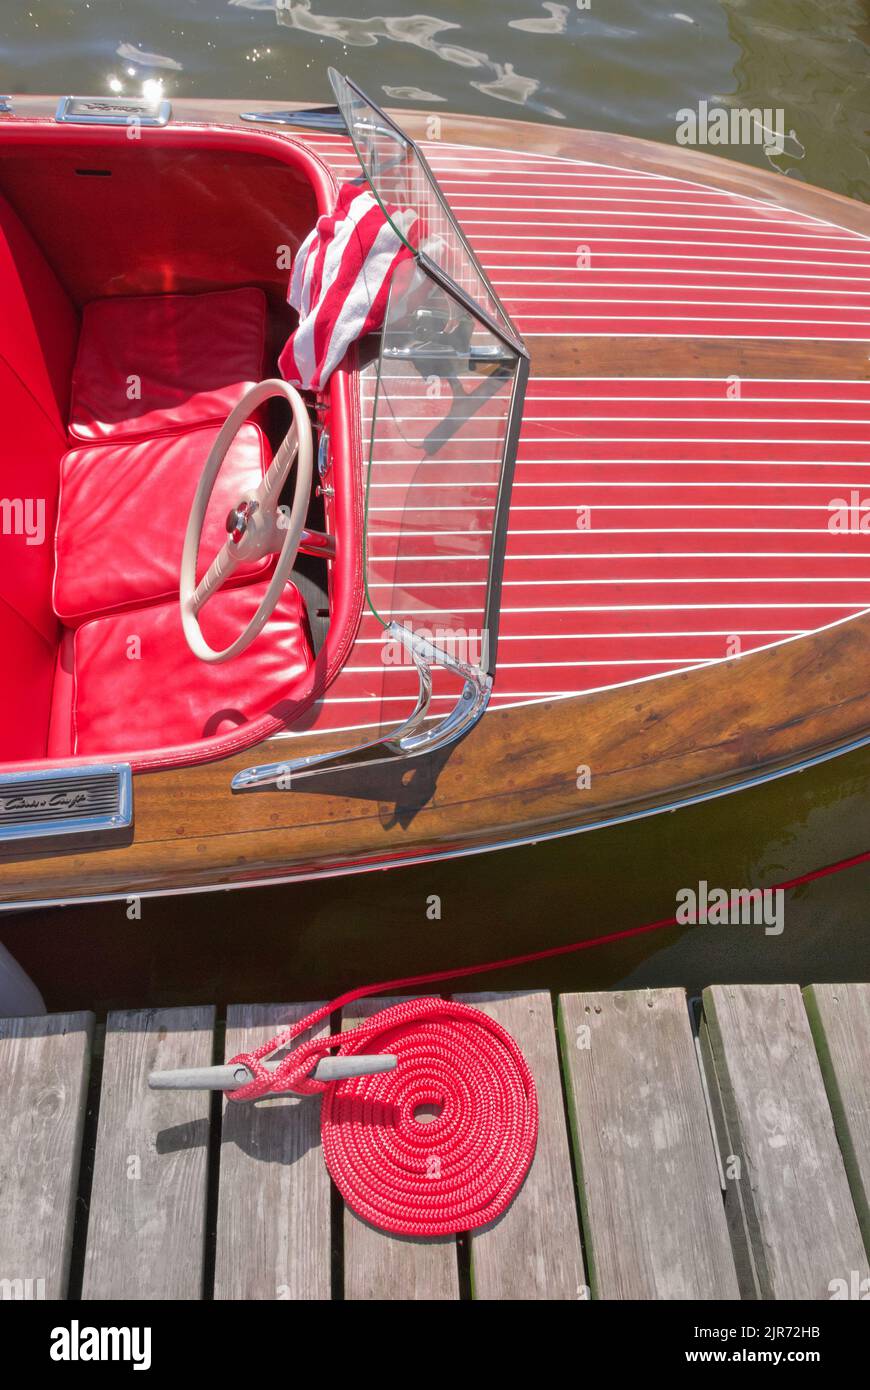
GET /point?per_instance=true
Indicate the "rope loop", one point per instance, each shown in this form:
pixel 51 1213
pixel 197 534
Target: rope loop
pixel 439 1145
pixel 413 1172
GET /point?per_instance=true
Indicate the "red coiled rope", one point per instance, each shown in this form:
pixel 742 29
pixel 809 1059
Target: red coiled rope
pixel 463 1168
pixel 405 1174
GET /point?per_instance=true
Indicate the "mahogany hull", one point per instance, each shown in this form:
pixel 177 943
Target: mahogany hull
pixel 626 722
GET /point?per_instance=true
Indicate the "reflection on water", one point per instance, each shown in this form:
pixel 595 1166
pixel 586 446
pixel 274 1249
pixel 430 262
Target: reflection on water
pixel 146 60
pixel 421 31
pixel 410 94
pixel 811 60
pixel 556 24
pixel 622 65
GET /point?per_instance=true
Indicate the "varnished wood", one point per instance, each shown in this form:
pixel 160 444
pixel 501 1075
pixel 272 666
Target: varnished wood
pixel 572 355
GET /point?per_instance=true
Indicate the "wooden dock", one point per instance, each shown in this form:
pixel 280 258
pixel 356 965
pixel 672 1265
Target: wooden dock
pixel 717 1148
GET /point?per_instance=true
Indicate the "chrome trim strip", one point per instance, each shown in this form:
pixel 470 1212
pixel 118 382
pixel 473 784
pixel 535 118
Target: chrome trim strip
pixel 306 118
pixel 112 111
pixel 317 543
pixel 323 455
pixel 16 785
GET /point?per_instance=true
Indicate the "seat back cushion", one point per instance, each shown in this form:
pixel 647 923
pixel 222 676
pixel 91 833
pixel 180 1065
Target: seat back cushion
pixel 163 362
pixel 123 515
pixel 38 331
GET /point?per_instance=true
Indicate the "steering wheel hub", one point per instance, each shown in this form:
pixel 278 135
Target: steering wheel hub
pixel 237 520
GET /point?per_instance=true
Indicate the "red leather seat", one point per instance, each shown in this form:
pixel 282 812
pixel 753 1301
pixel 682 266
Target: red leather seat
pixel 154 363
pixel 123 513
pixel 125 681
pixel 38 330
pixel 130 682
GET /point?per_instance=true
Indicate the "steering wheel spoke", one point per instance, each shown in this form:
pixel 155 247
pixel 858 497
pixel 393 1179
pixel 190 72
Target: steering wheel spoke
pixel 224 564
pixel 269 490
pixel 258 526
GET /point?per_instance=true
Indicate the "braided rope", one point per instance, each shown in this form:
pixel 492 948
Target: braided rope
pixel 453 1173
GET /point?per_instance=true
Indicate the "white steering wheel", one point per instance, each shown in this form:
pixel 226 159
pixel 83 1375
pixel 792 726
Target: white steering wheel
pixel 255 526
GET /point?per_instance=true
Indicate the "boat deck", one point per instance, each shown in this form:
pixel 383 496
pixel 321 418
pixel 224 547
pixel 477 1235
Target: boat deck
pixel 113 1191
pixel 693 463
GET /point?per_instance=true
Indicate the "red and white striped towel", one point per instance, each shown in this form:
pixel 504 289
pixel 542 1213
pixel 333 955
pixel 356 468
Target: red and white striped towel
pixel 340 283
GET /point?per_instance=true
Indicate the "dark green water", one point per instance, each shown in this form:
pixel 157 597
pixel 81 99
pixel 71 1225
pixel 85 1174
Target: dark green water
pixel 313 940
pixel 619 65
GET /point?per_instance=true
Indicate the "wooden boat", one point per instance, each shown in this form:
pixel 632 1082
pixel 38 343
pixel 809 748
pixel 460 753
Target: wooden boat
pixel 586 539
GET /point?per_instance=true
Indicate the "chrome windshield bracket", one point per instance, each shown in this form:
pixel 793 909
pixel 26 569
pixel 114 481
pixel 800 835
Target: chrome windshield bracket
pixel 306 118
pixel 412 738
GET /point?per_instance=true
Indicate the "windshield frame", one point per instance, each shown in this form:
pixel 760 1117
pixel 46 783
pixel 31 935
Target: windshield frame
pixel 516 359
pixel 502 324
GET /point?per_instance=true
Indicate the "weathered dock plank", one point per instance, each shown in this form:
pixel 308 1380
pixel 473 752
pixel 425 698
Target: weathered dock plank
pixel 146 1227
pixel 651 1199
pixel 533 1250
pixel 274 1195
pixel 734 1199
pixel 801 1224
pixel 839 1018
pixel 378 1265
pixel 45 1064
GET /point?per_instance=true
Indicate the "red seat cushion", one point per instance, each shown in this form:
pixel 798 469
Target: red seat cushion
pixel 123 513
pixel 185 359
pixel 137 685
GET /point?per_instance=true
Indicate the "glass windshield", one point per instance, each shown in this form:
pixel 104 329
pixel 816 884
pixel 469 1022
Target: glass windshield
pixel 441 411
pixel 403 183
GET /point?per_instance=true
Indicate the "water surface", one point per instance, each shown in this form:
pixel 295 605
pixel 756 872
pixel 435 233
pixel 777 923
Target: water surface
pixel 619 65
